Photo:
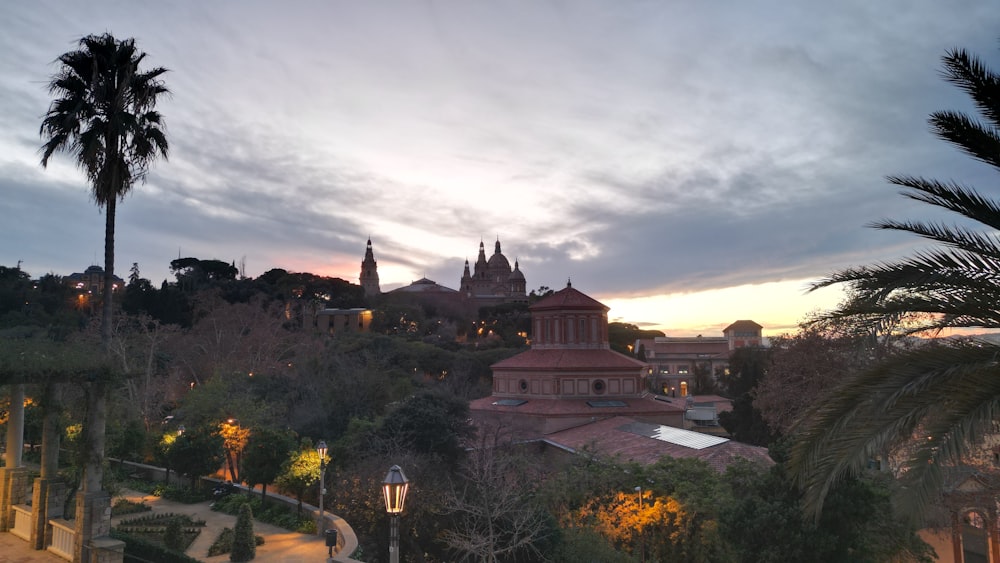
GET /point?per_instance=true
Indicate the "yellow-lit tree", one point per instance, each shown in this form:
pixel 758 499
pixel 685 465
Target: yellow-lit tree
pixel 235 439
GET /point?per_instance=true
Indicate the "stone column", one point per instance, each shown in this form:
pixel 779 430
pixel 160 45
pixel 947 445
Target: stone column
pixel 93 520
pixel 107 550
pixel 49 491
pixel 93 505
pixel 12 476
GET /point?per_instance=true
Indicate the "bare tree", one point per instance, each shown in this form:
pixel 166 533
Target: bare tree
pixel 495 518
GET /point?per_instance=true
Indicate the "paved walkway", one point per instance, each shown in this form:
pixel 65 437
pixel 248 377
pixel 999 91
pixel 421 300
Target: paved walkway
pixel 280 545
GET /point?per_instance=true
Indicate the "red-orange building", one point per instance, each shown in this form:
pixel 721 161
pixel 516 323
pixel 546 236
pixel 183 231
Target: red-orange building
pixel 570 376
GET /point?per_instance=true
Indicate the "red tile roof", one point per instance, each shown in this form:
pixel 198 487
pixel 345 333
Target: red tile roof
pixel 611 438
pixel 569 359
pixel 568 298
pixel 645 405
pixel 742 325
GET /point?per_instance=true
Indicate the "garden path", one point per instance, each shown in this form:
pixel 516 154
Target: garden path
pixel 280 545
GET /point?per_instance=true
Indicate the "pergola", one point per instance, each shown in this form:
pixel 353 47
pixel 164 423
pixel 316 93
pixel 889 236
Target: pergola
pixel 51 365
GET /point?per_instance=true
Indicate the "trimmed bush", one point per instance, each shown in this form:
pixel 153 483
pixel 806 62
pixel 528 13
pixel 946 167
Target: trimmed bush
pixel 275 513
pixel 172 536
pixel 224 543
pixel 138 549
pixel 123 506
pixel 244 544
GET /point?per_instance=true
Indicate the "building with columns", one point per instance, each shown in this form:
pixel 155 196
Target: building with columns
pixel 574 394
pixel 570 376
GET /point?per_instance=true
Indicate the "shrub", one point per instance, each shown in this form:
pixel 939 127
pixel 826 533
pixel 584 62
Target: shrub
pixel 181 494
pixel 143 550
pixel 224 543
pixel 172 537
pixel 123 506
pixel 282 516
pixel 244 544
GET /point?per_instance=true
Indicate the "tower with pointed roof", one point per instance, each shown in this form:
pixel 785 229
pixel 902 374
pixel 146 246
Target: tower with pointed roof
pixel 369 273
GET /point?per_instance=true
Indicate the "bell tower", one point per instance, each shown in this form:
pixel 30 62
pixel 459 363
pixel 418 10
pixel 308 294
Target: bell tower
pixel 369 273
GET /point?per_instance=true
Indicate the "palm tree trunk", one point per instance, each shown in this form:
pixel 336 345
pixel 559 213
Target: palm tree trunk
pixel 94 425
pixel 109 271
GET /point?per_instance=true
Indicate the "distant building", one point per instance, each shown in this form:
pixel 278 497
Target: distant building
pixel 336 321
pixel 369 273
pixel 570 376
pixel 91 280
pixel 575 395
pixel 676 362
pixel 491 282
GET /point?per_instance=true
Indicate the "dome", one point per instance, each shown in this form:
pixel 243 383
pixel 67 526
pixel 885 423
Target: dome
pixel 517 275
pixel 498 261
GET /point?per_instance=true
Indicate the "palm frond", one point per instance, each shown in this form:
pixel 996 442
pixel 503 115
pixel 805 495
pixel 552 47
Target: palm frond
pixel 975 138
pixel 959 237
pixel 952 196
pixel 969 73
pixel 949 392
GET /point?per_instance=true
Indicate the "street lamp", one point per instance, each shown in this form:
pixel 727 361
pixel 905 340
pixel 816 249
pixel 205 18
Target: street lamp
pixel 321 450
pixel 394 488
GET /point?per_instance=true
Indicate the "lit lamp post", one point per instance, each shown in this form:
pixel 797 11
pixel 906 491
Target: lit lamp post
pixel 321 450
pixel 394 488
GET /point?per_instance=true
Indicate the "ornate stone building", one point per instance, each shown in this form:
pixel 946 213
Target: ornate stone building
pixel 493 280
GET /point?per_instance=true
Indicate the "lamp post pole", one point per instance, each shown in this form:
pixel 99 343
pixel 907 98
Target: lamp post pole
pixel 321 450
pixel 394 488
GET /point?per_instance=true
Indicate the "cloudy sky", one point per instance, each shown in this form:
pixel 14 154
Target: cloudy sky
pixel 688 163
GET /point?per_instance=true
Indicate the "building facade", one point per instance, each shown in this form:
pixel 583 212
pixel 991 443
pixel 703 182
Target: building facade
pixel 369 273
pixel 91 280
pixel 491 282
pixel 677 363
pixel 570 376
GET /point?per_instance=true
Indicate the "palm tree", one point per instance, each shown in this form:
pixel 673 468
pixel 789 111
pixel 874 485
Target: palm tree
pixel 937 401
pixel 104 115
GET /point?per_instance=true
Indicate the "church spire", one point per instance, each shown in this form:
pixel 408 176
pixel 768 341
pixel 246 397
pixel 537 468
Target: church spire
pixel 497 248
pixel 369 272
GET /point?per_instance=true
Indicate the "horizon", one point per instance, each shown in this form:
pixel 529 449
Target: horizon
pixel 687 166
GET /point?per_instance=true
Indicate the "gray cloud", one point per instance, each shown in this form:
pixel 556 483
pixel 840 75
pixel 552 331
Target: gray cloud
pixel 637 147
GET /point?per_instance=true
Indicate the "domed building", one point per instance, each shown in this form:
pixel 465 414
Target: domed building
pixel 570 376
pixel 492 281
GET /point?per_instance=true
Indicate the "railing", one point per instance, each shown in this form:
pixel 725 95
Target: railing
pixel 22 522
pixel 62 538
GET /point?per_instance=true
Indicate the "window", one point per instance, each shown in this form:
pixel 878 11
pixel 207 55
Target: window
pixel 683 369
pixel 598 387
pixel 523 385
pixel 684 388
